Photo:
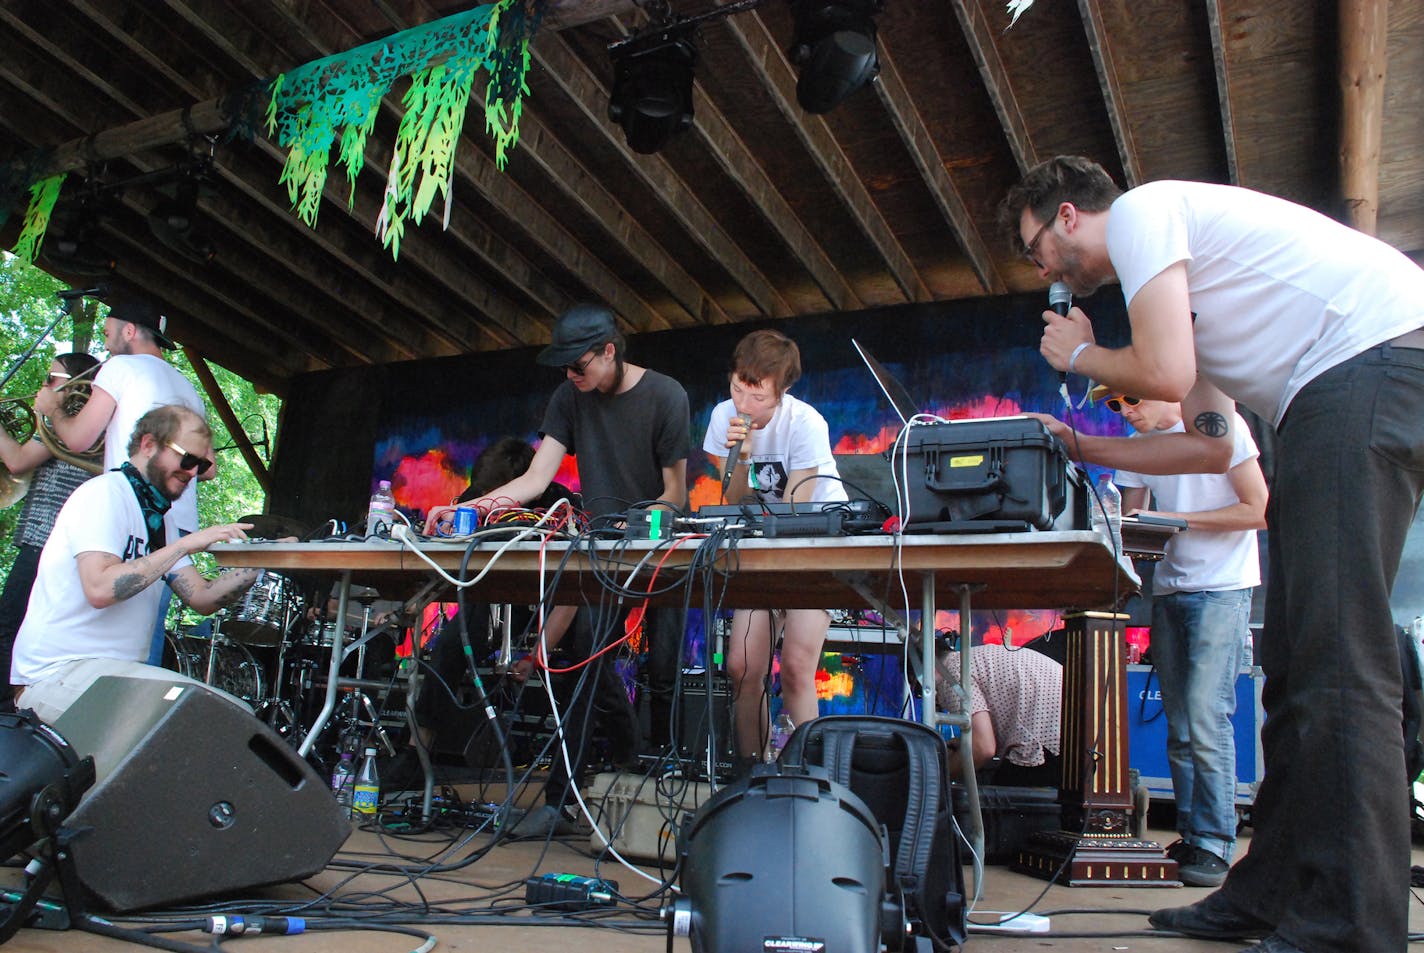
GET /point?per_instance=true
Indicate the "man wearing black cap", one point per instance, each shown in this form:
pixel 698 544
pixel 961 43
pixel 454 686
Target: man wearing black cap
pixel 134 380
pixel 630 429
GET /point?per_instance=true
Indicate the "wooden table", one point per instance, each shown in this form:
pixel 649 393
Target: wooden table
pixel 1066 569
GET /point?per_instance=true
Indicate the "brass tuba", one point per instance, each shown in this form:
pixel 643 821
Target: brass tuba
pixel 22 423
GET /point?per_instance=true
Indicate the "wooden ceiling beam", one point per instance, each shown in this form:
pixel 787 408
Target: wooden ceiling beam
pixel 474 169
pixel 510 325
pixel 1222 61
pixel 736 160
pixel 402 341
pixel 583 188
pixel 184 303
pixel 1364 42
pixel 980 36
pixel 1100 44
pixel 935 170
pixel 244 317
pixel 555 56
pixel 770 64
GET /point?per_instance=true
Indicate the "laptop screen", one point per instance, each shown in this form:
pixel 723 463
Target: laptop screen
pixel 890 386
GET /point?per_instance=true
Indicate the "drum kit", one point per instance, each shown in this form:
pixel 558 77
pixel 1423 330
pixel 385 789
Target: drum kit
pixel 275 655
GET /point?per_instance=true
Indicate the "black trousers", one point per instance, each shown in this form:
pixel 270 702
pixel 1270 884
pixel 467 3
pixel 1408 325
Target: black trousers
pixel 13 602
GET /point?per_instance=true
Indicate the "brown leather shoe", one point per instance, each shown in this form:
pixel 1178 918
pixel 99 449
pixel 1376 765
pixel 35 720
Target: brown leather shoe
pixel 1212 918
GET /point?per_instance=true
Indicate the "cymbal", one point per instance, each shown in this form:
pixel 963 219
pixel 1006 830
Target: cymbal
pixel 272 526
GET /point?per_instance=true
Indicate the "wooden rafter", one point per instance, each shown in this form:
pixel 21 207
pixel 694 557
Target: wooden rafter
pixel 974 24
pixel 563 67
pixel 780 81
pixel 1103 59
pixel 934 169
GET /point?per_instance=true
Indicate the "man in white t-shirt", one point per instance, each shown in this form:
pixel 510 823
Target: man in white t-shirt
pixel 91 609
pixel 134 380
pixel 1319 329
pixel 1201 607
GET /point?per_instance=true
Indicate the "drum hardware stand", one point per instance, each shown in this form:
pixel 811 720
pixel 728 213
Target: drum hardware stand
pixel 276 710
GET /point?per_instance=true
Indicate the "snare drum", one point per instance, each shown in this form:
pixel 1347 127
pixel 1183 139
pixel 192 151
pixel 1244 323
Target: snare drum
pixel 235 670
pixel 265 612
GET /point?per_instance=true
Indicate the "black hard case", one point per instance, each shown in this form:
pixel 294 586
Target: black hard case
pixel 996 474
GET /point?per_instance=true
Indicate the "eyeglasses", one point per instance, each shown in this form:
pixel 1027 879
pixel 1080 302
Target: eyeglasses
pixel 1031 249
pixel 578 369
pixel 55 377
pixel 190 461
pixel 1115 403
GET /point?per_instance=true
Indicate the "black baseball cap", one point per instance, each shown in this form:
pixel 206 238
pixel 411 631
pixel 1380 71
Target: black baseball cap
pixel 144 313
pixel 578 331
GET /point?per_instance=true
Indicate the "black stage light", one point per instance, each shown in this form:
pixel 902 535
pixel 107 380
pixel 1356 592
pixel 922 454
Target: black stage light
pixel 785 859
pixel 833 46
pixel 652 87
pixel 41 781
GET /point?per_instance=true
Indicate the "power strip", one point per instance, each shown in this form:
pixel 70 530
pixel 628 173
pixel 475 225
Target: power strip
pixel 1010 923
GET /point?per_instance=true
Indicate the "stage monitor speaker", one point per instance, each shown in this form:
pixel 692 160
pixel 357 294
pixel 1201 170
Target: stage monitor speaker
pixel 195 797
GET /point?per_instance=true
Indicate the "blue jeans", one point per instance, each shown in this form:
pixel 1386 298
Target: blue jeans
pixel 1196 646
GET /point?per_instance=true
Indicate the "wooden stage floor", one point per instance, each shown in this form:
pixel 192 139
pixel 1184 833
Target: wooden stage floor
pixel 474 893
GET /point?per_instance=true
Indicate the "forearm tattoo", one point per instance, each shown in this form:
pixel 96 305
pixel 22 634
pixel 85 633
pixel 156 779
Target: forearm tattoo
pixel 180 588
pixel 128 585
pixel 1211 424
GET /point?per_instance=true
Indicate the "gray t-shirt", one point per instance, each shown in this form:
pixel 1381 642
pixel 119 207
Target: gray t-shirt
pixel 622 441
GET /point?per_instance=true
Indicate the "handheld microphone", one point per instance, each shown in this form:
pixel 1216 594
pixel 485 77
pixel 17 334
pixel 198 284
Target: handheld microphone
pixel 732 458
pixel 1060 299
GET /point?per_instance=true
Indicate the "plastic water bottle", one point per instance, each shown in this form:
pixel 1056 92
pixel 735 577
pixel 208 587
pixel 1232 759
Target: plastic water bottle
pixel 367 795
pixel 382 513
pixel 780 731
pixel 343 781
pixel 1109 501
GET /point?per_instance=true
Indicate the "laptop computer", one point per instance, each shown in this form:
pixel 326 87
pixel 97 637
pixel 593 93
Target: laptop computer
pixel 904 405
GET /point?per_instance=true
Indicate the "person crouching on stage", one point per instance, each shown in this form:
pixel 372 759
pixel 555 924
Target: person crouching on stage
pixel 783 454
pixel 91 610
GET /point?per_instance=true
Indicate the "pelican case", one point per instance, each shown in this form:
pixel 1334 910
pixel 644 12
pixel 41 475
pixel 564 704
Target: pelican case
pixel 996 474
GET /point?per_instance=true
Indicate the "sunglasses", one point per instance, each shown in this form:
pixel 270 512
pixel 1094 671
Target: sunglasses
pixel 54 378
pixel 1115 403
pixel 190 461
pixel 578 369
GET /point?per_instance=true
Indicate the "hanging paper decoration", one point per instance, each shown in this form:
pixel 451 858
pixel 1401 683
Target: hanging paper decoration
pixel 337 98
pixel 43 195
pixel 510 29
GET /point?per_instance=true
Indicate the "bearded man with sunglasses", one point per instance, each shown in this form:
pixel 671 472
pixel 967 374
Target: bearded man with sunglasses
pixel 1233 295
pixel 92 606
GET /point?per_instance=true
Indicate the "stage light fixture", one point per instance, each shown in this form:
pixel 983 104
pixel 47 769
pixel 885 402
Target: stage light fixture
pixel 833 47
pixel 177 222
pixel 652 86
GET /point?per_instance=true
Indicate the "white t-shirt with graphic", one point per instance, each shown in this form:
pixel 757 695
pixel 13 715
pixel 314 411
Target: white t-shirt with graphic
pixel 60 625
pixel 796 438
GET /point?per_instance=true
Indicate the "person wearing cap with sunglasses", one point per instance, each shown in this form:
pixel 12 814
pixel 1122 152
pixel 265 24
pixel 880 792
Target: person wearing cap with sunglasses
pixel 1233 295
pixel 1201 606
pixel 630 429
pixel 114 545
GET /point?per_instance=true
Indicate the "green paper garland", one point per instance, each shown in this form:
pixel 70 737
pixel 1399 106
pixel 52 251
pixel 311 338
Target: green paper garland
pixel 43 195
pixel 337 99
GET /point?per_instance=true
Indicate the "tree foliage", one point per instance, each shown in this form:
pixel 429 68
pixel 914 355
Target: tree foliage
pixel 29 302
